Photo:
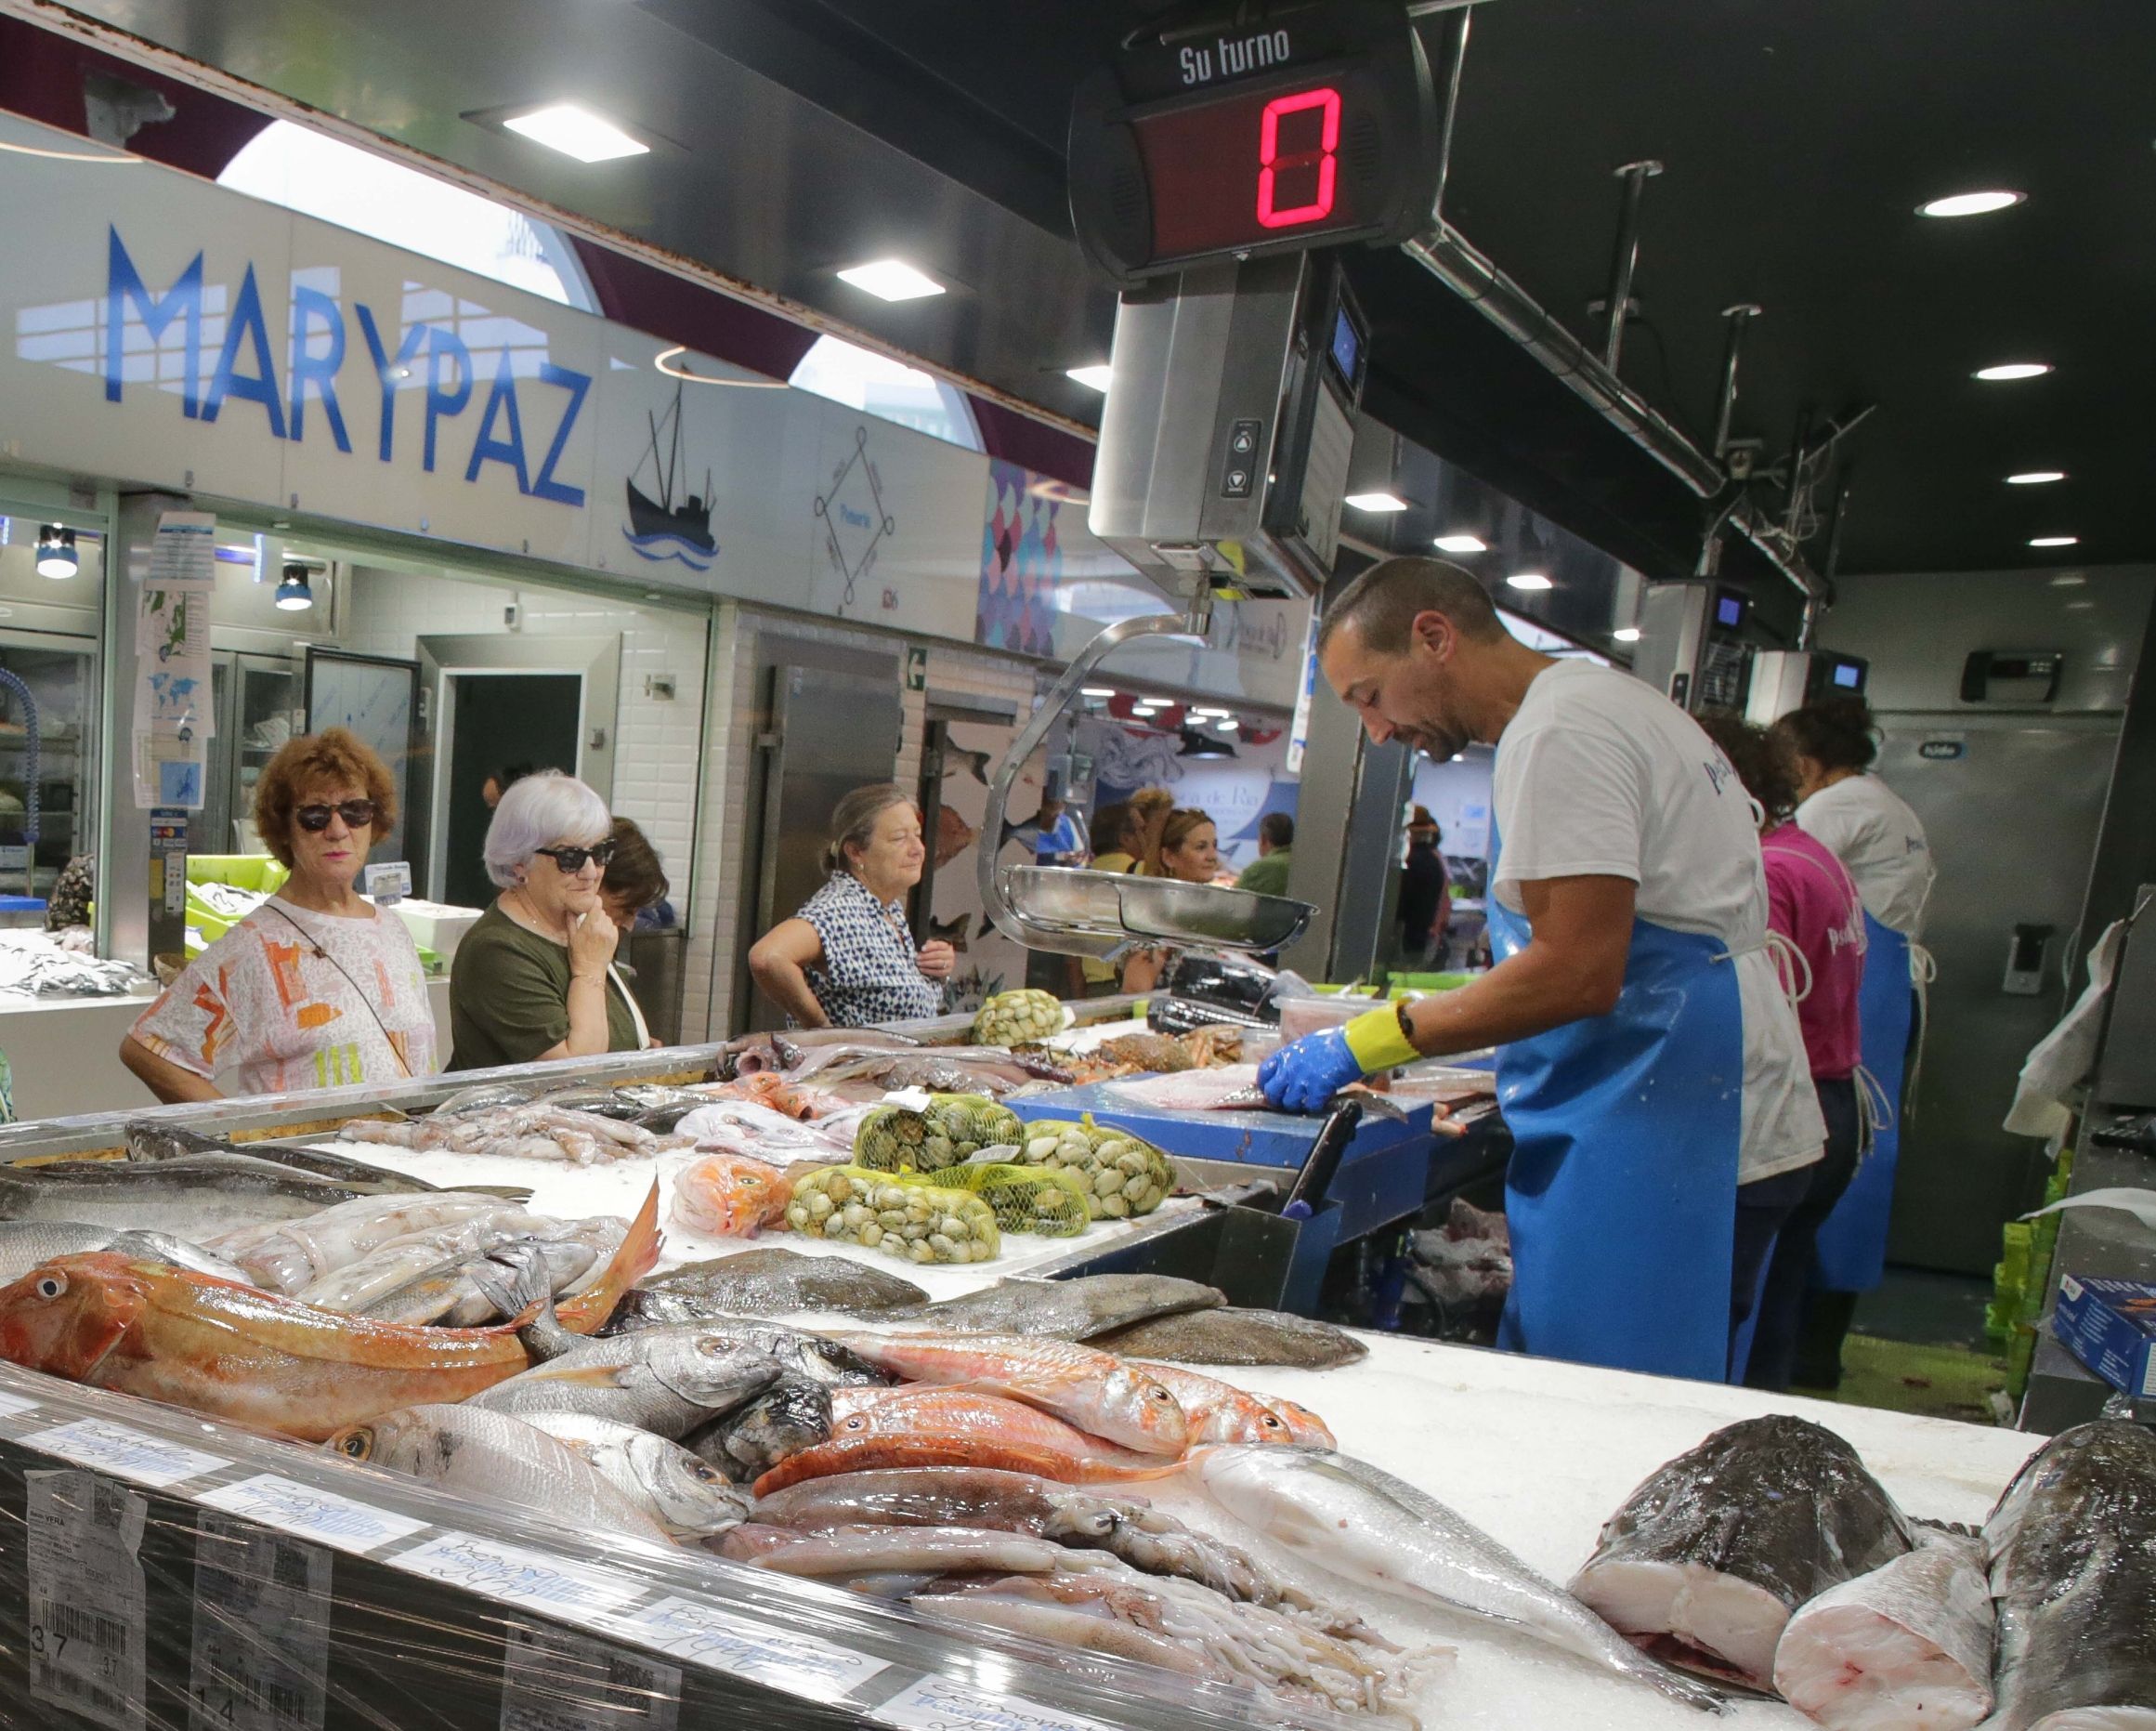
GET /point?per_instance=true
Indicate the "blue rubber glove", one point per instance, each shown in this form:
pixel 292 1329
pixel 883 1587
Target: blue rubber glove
pixel 1303 1077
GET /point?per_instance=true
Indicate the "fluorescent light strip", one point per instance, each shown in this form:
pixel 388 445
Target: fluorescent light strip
pixel 2013 370
pixel 1097 377
pixel 1530 581
pixel 1097 690
pixel 2035 477
pixel 1376 501
pixel 891 278
pixel 1462 544
pixel 1626 634
pixel 575 132
pixel 2055 541
pixel 1970 203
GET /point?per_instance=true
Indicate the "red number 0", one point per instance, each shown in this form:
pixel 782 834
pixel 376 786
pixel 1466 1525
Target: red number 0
pixel 1270 161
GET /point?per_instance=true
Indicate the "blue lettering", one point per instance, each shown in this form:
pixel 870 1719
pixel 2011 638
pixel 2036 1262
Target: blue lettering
pixel 441 402
pixel 859 519
pixel 320 371
pixel 258 386
pixel 182 300
pixel 487 448
pixel 387 371
pixel 577 384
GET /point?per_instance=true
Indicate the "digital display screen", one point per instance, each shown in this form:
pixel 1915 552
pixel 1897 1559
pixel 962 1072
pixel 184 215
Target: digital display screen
pixel 1729 610
pixel 1347 346
pixel 1245 169
pixel 1849 675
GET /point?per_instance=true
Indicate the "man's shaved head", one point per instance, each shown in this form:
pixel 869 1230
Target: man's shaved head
pixel 1383 602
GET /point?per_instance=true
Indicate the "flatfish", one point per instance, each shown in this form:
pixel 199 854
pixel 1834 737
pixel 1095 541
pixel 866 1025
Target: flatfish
pixel 1075 1309
pixel 767 1282
pixel 1232 1335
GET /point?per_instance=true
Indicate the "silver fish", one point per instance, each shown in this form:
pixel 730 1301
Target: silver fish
pixel 1908 1645
pixel 149 1141
pixel 286 1256
pixel 688 1498
pixel 666 1380
pixel 398 1261
pixel 191 1204
pixel 448 1294
pixel 879 1550
pixel 26 1243
pixel 1367 1526
pixel 1075 1309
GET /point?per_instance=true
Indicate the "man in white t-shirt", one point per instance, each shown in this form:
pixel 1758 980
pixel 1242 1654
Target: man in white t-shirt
pixel 1648 1061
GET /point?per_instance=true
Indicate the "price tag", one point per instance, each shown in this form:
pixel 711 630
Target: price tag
pixel 939 1704
pixel 555 1681
pixel 132 1454
pixel 911 1099
pixel 296 1508
pixel 521 1577
pixel 262 1631
pixel 802 1664
pixel 85 1596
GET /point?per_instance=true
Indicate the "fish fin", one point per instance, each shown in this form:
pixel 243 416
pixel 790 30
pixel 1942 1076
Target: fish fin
pixel 526 1299
pixel 593 1376
pixel 506 1192
pixel 587 1313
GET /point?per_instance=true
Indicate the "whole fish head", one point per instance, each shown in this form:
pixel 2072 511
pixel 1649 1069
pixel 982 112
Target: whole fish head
pixel 1150 1417
pixel 407 1440
pixel 1278 1492
pixel 63 1317
pixel 691 1496
pixel 713 1370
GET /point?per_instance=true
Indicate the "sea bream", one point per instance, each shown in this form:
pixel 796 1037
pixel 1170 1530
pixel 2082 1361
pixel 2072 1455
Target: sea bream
pixel 1366 1526
pixel 1907 1648
pixel 2073 1546
pixel 689 1497
pixel 1704 1562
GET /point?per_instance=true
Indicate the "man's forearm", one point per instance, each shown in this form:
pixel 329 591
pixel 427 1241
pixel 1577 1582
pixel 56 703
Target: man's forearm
pixel 1531 992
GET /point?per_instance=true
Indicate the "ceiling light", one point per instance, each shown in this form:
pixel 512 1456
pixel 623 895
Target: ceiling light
pixel 575 132
pixel 2055 541
pixel 1144 709
pixel 295 593
pixel 2068 580
pixel 1227 724
pixel 1094 378
pixel 1970 203
pixel 1626 634
pixel 891 278
pixel 1376 501
pixel 2035 477
pixel 1216 712
pixel 1097 690
pixel 56 552
pixel 1529 580
pixel 2014 370
pixel 1462 544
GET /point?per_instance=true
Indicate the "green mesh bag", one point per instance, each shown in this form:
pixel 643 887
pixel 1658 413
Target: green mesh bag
pixel 898 1214
pixel 1123 1175
pixel 1028 1198
pixel 952 1128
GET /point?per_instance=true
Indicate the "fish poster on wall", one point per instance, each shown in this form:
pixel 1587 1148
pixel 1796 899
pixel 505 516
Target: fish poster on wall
pixel 988 962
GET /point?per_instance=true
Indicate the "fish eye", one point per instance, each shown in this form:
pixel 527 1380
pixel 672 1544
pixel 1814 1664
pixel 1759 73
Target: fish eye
pixel 1274 1421
pixel 50 1285
pixel 357 1446
pixel 857 1423
pixel 1161 1394
pixel 706 1472
pixel 712 1347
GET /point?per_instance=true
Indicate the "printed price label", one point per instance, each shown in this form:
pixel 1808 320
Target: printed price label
pixel 802 1664
pixel 262 1631
pixel 147 1460
pixel 296 1508
pixel 85 1596
pixel 939 1704
pixel 555 1681
pixel 522 1577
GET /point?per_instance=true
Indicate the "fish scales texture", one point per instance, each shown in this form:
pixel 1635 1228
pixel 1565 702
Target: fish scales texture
pixel 1703 1563
pixel 2072 1548
pixel 195 1205
pixel 1368 1527
pixel 1907 1648
pixel 794 1413
pixel 1232 1335
pixel 770 1281
pixel 1094 1390
pixel 666 1380
pixel 1075 1309
pixel 26 1243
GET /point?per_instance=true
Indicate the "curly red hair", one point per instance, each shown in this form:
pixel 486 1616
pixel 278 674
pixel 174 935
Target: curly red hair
pixel 334 756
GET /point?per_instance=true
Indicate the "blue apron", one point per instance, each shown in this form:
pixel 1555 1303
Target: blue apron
pixel 1622 1192
pixel 1852 1243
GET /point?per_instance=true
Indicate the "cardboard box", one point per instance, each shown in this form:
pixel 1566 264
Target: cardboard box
pixel 2110 1325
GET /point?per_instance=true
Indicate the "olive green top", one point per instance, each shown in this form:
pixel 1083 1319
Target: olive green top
pixel 509 997
pixel 1268 875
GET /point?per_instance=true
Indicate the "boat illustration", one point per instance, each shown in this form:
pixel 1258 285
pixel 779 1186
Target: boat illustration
pixel 659 528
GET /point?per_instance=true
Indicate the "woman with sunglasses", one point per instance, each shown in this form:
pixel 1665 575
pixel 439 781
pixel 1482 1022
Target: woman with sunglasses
pixel 314 988
pixel 534 979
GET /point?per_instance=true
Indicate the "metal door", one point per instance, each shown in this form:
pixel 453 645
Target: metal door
pixel 2012 820
pixel 214 834
pixel 825 733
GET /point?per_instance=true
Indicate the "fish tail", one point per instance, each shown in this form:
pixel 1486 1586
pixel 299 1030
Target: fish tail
pixel 587 1313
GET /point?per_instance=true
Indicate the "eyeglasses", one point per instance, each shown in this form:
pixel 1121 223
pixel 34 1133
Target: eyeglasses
pixel 567 859
pixel 358 813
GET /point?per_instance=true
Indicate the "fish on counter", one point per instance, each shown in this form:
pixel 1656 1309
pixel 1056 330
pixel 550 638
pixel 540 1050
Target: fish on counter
pixel 1073 1309
pixel 576 1253
pixel 687 1497
pixel 2072 1548
pixel 879 1550
pixel 1096 1391
pixel 1215 1411
pixel 1230 1334
pixel 666 1380
pixel 396 1261
pixel 792 1415
pixel 149 1142
pixel 1907 1648
pixel 1699 1567
pixel 1305 1429
pixel 497 1459
pixel 729 1195
pixel 290 1256
pixel 26 1243
pixel 183 1199
pixel 1367 1526
pixel 536 1131
pixel 765 1282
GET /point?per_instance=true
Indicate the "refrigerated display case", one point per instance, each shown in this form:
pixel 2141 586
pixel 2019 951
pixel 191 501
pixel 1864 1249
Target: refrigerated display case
pixel 258 703
pixel 58 678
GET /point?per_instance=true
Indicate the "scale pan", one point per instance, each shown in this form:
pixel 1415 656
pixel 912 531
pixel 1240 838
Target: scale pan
pixel 1152 907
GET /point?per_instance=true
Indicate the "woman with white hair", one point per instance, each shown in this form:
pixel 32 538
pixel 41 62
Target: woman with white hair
pixel 534 978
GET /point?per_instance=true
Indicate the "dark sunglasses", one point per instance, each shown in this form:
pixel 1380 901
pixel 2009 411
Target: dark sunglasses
pixel 572 858
pixel 358 813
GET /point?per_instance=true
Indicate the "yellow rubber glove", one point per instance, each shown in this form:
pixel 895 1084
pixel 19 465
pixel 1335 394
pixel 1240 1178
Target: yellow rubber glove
pixel 1377 1041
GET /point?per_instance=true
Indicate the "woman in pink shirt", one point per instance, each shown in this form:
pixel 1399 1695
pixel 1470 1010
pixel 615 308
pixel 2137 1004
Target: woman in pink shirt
pixel 1812 903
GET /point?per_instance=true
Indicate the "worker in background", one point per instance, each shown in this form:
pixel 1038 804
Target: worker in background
pixel 1267 874
pixel 1870 830
pixel 1648 1063
pixel 1425 894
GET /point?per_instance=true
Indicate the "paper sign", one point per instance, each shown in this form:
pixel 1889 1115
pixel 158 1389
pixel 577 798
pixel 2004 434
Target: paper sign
pixel 555 1681
pixel 323 1515
pixel 521 1577
pixel 147 1460
pixel 84 1612
pixel 939 1704
pixel 261 1654
pixel 786 1658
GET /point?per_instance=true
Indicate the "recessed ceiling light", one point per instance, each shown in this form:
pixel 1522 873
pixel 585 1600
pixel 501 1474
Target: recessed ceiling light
pixel 1462 544
pixel 1202 710
pixel 1529 580
pixel 2014 370
pixel 1970 203
pixel 2055 541
pixel 575 132
pixel 891 278
pixel 1626 634
pixel 1097 690
pixel 1376 502
pixel 2068 580
pixel 1227 724
pixel 2035 477
pixel 1094 378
